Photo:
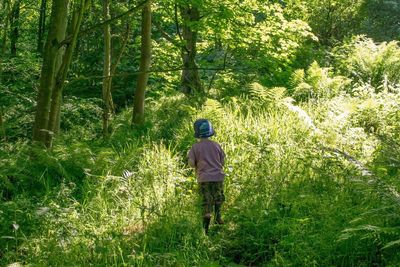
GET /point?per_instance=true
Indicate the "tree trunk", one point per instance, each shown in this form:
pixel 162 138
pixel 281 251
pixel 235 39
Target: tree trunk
pixel 107 102
pixel 56 34
pixel 121 51
pixel 41 27
pixel 190 79
pixel 2 127
pixel 109 68
pixel 5 19
pixel 55 109
pixel 145 60
pixel 14 27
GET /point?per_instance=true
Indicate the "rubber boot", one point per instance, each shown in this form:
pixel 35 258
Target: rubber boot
pixel 217 210
pixel 206 222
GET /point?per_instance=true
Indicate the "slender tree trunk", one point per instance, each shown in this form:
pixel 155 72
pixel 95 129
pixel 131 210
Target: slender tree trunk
pixel 109 68
pixel 190 79
pixel 5 23
pixel 125 40
pixel 55 108
pixel 56 34
pixel 3 18
pixel 41 27
pixel 107 102
pixel 2 127
pixel 14 27
pixel 145 60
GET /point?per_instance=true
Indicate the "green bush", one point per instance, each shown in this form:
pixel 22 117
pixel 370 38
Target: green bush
pixel 80 112
pixel 18 84
pixel 316 83
pixel 364 61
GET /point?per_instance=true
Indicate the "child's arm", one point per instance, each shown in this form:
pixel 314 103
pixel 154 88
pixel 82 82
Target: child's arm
pixel 192 158
pixel 222 156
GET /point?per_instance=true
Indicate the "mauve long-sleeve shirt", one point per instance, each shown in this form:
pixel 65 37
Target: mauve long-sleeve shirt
pixel 207 157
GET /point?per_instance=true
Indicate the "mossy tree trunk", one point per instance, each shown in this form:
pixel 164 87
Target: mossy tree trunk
pixel 41 25
pixel 4 20
pixel 145 60
pixel 190 79
pixel 2 127
pixel 55 109
pixel 14 34
pixel 52 52
pixel 106 89
pixel 109 67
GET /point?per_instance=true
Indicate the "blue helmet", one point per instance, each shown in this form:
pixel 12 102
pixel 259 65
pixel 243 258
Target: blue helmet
pixel 203 128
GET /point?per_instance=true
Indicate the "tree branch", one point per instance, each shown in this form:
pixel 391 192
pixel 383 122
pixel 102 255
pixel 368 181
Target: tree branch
pixel 223 68
pixel 109 21
pixel 178 31
pixel 127 74
pixel 167 36
pixel 122 49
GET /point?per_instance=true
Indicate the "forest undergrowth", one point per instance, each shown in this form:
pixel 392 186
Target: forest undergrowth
pixel 312 179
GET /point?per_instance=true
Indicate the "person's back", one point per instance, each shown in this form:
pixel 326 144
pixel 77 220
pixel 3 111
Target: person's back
pixel 207 157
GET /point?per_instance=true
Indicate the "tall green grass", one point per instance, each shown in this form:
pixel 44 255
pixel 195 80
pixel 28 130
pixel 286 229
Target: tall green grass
pixel 132 200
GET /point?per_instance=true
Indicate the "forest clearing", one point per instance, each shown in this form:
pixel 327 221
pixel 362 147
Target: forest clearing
pixel 99 107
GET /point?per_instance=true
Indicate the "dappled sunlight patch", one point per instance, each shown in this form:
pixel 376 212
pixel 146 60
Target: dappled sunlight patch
pixel 133 229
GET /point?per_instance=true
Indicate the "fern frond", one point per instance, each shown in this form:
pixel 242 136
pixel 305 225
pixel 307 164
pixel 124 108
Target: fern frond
pixel 274 95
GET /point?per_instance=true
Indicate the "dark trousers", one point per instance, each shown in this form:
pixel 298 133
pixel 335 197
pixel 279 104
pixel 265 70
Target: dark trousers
pixel 212 195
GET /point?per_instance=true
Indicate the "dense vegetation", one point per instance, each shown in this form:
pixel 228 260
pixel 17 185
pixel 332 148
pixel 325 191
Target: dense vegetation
pixel 304 97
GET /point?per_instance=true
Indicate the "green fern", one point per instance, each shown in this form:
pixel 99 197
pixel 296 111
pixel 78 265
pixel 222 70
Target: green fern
pixel 275 96
pixel 368 62
pixel 317 82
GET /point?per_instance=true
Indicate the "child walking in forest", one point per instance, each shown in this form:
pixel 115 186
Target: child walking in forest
pixel 207 157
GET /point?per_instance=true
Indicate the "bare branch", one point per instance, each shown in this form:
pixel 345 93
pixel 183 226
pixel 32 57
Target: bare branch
pixel 122 49
pixel 178 31
pixel 90 29
pixel 167 36
pixel 128 74
pixel 223 68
